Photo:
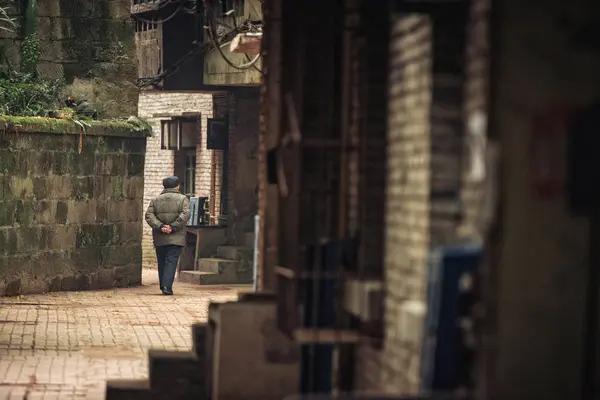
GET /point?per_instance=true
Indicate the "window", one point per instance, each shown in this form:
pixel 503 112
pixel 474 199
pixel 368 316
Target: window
pixel 217 134
pixel 189 178
pixel 179 133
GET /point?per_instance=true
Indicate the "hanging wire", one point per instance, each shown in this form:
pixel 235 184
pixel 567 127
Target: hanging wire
pixel 214 39
pixel 162 20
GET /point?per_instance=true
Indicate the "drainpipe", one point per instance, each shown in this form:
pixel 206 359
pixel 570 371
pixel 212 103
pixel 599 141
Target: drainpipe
pixel 29 61
pixel 213 189
pixel 31 14
pixel 255 255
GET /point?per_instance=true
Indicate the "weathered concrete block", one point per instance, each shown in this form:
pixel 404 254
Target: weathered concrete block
pixel 113 145
pixel 69 283
pixel 102 279
pixel 8 242
pixel 85 258
pixel 61 162
pixel 102 187
pixel 134 146
pixel 135 164
pixel 62 237
pixel 124 210
pixel 103 164
pixel 59 187
pixel 53 263
pixel 62 211
pixel 101 212
pixel 129 275
pixel 83 188
pixel 122 255
pixel 40 190
pixel 133 187
pixel 81 211
pixel 19 188
pixel 97 235
pixel 46 212
pixel 7 213
pixel 119 165
pixel 29 239
pixel 9 161
pixel 129 232
pixel 117 210
pixel 75 282
pixel 82 164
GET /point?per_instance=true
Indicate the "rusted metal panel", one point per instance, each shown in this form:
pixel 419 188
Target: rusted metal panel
pixel 248 43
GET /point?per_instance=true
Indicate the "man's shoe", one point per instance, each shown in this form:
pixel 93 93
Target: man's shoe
pixel 167 292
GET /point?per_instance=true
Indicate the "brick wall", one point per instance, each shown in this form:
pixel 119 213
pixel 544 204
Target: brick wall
pixel 475 217
pixel 220 110
pixel 423 186
pixel 160 163
pixel 70 220
pixel 408 199
pixel 476 102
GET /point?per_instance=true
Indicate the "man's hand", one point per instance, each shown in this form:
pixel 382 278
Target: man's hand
pixel 166 229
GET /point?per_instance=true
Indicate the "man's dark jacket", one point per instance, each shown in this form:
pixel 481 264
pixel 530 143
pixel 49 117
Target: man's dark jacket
pixel 171 208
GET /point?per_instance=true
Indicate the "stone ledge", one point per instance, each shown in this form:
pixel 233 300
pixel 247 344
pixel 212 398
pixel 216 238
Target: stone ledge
pixel 64 126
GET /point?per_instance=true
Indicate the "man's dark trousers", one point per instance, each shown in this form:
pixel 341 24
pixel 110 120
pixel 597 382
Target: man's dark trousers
pixel 167 256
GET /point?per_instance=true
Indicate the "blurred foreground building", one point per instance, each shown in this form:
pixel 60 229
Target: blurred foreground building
pixel 388 130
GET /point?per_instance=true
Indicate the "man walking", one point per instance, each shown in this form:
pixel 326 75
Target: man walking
pixel 168 215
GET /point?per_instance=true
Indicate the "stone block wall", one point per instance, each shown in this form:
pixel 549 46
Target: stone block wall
pixel 160 163
pixel 88 43
pixel 70 220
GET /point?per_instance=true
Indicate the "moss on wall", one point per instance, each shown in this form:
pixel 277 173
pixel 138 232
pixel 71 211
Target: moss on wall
pixel 55 125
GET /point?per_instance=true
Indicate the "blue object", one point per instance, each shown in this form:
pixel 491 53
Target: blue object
pixel 316 362
pixel 441 358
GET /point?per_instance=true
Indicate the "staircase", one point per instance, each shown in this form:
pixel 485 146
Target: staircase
pixel 230 266
pixel 238 355
pixel 173 375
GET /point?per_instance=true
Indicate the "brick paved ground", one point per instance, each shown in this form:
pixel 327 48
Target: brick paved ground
pixel 66 345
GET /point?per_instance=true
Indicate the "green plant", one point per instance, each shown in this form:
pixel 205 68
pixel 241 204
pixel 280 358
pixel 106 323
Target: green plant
pixel 24 95
pixel 30 55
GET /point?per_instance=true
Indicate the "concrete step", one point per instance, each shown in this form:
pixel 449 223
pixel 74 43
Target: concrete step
pixel 198 278
pixel 235 252
pixel 123 389
pixel 208 278
pixel 248 240
pixel 180 375
pixel 217 266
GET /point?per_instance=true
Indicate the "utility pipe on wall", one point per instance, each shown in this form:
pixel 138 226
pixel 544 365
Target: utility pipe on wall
pixel 255 254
